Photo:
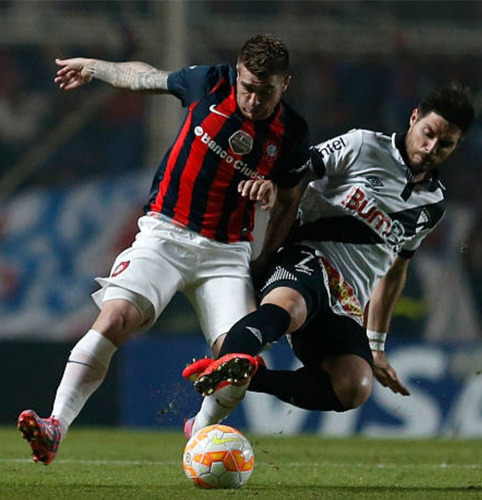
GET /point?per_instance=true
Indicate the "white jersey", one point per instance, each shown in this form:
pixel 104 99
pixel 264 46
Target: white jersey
pixel 364 211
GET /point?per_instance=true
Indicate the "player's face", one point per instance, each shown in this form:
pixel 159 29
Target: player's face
pixel 257 98
pixel 430 140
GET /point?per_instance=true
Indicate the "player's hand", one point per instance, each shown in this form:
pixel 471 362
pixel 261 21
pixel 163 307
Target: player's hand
pixel 261 190
pixel 386 375
pixel 73 73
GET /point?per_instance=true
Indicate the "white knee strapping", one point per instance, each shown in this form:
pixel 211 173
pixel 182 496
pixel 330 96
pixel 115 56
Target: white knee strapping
pixel 97 345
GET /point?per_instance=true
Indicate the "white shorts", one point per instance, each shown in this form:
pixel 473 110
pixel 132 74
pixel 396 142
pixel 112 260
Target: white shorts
pixel 166 258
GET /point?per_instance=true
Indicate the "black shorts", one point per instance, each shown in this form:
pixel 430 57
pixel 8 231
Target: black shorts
pixel 324 332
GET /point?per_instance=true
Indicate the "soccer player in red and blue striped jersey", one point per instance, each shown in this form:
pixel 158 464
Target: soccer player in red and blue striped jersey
pixel 221 144
pixel 239 144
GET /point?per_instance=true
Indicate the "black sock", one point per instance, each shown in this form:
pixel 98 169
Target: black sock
pixel 308 388
pixel 251 333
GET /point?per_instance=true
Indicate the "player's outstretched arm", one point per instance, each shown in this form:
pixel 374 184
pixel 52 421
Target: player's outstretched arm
pixel 382 302
pixel 138 76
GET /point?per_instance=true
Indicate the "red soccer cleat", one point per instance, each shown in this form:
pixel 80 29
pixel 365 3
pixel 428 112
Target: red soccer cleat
pixel 260 361
pixel 236 369
pixel 42 434
pixel 193 370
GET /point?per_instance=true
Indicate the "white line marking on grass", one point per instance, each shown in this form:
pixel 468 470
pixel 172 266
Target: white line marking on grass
pixel 390 465
pixel 93 462
pixel 333 465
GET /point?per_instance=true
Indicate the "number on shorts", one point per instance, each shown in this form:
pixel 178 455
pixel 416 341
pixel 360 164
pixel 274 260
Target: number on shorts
pixel 301 266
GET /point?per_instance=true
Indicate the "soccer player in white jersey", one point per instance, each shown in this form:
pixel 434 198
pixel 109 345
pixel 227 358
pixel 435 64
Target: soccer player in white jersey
pixel 332 289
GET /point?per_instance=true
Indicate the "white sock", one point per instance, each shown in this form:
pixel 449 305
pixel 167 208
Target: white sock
pixel 85 370
pixel 219 405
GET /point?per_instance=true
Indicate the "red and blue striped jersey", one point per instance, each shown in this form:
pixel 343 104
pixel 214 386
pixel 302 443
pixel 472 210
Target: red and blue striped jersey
pixel 217 147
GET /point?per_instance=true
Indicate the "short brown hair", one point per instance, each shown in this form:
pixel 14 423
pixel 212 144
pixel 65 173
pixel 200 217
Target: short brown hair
pixel 265 55
pixel 454 103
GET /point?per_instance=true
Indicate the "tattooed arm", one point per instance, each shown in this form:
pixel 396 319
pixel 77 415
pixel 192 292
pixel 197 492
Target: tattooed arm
pixel 138 76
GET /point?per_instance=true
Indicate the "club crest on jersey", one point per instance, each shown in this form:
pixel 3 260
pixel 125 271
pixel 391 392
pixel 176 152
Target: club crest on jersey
pixel 120 268
pixel 271 150
pixel 241 142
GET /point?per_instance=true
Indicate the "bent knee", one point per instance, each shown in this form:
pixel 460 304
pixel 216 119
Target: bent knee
pixel 353 392
pixel 292 302
pixel 118 320
pixel 351 377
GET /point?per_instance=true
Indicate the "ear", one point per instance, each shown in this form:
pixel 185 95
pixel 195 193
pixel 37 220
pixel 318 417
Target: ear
pixel 414 116
pixel 286 82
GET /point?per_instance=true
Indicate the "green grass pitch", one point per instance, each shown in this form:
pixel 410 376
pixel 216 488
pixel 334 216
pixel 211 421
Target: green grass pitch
pixel 136 464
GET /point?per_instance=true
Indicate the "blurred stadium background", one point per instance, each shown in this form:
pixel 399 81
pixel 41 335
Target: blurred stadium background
pixel 76 169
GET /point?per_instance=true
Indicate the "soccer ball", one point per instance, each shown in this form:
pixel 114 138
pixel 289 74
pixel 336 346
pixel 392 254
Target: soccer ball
pixel 218 456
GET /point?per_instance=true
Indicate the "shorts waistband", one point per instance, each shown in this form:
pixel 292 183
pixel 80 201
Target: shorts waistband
pixel 165 218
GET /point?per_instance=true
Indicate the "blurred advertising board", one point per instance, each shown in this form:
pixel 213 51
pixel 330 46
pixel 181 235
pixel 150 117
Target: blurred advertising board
pixel 445 383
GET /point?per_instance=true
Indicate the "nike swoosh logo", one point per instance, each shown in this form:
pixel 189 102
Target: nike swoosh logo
pixel 213 109
pixel 216 440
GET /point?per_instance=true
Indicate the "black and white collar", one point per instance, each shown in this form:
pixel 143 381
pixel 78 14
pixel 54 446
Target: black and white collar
pixel 430 181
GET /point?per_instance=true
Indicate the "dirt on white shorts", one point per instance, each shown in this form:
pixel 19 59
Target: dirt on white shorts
pixel 166 258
